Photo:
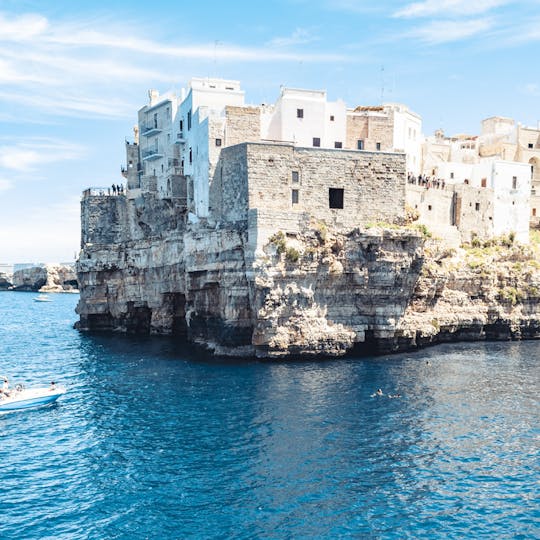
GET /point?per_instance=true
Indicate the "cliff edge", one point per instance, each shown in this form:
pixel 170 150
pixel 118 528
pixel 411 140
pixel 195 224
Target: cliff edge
pixel 312 289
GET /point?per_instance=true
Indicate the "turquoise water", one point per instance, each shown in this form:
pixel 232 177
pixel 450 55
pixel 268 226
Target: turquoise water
pixel 155 442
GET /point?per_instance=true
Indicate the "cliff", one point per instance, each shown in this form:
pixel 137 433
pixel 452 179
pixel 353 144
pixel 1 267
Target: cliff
pixel 316 290
pixel 47 278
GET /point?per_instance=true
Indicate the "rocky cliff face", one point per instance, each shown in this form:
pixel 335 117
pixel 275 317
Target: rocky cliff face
pixel 314 292
pixel 47 278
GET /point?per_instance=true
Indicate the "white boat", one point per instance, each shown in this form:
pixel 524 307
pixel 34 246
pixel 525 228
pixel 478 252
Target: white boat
pixel 42 298
pixel 26 398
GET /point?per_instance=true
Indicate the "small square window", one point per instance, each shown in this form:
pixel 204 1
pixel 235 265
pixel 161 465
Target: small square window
pixel 452 175
pixel 534 212
pixel 484 182
pixel 477 206
pixel 299 113
pixel 531 145
pixel 295 177
pixel 360 144
pixel 218 142
pixel 331 118
pixel 514 182
pixel 335 197
pixel 316 141
pixel 338 144
pixel 429 207
pixel 378 146
pixel 295 196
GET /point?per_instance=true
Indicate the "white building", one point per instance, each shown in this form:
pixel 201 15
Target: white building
pixel 179 138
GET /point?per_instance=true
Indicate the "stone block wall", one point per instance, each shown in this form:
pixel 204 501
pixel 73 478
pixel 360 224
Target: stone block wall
pixel 263 176
pixel 243 125
pixel 373 184
pixel 370 129
pixel 103 219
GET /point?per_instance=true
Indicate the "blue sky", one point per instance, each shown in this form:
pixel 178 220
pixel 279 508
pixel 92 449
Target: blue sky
pixel 73 74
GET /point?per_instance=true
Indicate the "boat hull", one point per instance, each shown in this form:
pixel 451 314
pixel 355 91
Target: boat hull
pixel 29 400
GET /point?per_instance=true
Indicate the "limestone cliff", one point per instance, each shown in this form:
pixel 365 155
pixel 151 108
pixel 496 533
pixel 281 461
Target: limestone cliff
pixel 46 278
pixel 314 290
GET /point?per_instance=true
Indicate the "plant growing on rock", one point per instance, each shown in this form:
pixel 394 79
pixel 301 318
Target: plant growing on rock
pixel 279 241
pixel 292 254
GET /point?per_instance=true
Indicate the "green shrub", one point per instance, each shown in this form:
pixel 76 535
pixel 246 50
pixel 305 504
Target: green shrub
pixel 279 241
pixel 292 255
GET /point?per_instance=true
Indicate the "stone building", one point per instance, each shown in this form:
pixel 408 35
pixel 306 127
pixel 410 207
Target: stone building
pixel 462 158
pixel 179 139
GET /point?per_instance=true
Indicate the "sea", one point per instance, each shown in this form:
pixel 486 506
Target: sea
pixel 154 440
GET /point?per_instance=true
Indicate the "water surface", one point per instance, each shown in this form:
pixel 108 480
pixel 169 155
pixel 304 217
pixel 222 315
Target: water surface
pixel 154 441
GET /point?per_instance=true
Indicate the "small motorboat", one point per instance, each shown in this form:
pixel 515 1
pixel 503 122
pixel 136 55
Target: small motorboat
pixel 26 398
pixel 42 298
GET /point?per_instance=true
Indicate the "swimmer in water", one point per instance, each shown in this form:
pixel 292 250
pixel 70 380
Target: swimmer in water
pixel 379 392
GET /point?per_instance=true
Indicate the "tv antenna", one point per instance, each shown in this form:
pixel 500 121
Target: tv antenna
pixel 382 84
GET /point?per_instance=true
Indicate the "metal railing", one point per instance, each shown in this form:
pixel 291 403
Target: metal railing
pixel 103 191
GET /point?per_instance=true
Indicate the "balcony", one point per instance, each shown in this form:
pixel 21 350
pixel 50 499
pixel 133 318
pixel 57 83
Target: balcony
pixel 180 139
pixel 151 154
pixel 150 130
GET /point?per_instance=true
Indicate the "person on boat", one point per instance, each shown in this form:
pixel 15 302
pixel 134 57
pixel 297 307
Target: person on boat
pixel 53 386
pixel 5 391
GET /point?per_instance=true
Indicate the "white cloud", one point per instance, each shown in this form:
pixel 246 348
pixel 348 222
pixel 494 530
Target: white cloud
pixel 299 37
pixel 448 31
pixel 27 156
pixel 531 89
pixel 5 184
pixel 445 8
pixel 84 69
pixel 22 27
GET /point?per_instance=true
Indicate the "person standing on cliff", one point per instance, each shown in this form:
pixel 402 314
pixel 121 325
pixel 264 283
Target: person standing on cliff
pixel 113 189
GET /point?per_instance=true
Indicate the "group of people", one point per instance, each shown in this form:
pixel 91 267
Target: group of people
pixel 426 181
pixel 117 189
pixel 6 391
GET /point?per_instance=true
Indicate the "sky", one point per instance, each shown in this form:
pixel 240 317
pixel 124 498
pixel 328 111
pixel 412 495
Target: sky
pixel 73 75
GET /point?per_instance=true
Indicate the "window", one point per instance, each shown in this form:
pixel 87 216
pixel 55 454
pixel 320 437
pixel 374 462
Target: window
pixel 338 144
pixel 190 155
pixel 378 146
pixel 360 144
pixel 429 207
pixel 181 125
pixel 295 196
pixel 534 212
pixel 514 182
pixel 477 206
pixel 162 167
pixel 295 177
pixel 168 111
pixel 299 113
pixel 218 142
pixel 484 182
pixel 452 175
pixel 331 118
pixel 189 120
pixel 531 145
pixel 316 141
pixel 155 120
pixel 335 197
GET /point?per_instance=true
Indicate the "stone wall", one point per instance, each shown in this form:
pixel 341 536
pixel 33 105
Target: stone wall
pixel 372 129
pixel 102 219
pixel 243 125
pixel 373 184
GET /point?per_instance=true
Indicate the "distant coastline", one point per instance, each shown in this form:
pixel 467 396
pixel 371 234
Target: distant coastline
pixel 49 278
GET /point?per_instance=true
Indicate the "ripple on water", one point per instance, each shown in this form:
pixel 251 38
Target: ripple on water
pixel 151 442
